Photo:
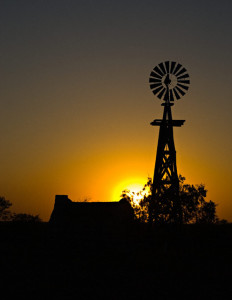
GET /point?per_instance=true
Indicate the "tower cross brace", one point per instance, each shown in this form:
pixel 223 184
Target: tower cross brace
pixel 165 202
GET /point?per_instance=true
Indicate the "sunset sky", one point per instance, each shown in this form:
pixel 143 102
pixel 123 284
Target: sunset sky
pixel 76 105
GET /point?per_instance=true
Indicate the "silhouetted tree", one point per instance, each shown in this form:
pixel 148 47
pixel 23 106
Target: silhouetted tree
pixel 26 218
pixel 208 213
pixel 140 207
pixel 194 207
pixel 5 213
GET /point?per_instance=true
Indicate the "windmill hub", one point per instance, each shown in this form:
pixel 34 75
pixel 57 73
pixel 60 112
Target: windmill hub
pixel 167 80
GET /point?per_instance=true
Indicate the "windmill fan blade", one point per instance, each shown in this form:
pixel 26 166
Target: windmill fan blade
pixel 184 81
pixel 180 91
pixel 167 66
pixel 166 96
pixel 157 90
pixel 173 63
pixel 171 96
pixel 153 74
pixel 161 65
pixel 183 76
pixel 155 85
pixel 181 72
pixel 154 80
pixel 161 93
pixel 158 71
pixel 176 94
pixel 177 68
pixel 183 86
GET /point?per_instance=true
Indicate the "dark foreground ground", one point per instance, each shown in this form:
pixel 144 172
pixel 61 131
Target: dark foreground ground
pixel 37 262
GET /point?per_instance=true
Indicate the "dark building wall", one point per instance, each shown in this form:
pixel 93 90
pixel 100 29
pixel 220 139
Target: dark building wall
pixel 86 214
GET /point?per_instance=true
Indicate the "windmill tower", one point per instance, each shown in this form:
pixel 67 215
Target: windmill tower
pixel 168 81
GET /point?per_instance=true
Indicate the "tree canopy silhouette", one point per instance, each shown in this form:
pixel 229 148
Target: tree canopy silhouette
pixel 26 218
pixel 5 213
pixel 194 207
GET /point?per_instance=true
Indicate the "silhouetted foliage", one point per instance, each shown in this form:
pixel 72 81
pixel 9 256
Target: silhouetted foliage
pixel 140 207
pixel 194 207
pixel 26 218
pixel 5 213
pixel 222 222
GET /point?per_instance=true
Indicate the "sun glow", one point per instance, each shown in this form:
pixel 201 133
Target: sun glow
pixel 134 186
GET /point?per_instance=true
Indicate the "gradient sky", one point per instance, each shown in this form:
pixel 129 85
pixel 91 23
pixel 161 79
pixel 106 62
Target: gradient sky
pixel 76 105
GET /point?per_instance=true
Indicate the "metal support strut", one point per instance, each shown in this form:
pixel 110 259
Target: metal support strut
pixel 165 203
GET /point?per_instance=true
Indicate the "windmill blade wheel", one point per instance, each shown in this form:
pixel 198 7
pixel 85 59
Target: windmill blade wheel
pixel 169 81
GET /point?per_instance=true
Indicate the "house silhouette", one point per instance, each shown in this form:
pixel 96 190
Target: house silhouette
pixel 90 214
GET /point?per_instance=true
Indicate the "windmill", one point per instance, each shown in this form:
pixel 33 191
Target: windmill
pixel 169 81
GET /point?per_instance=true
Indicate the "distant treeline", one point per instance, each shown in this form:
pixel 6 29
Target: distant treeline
pixel 7 215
